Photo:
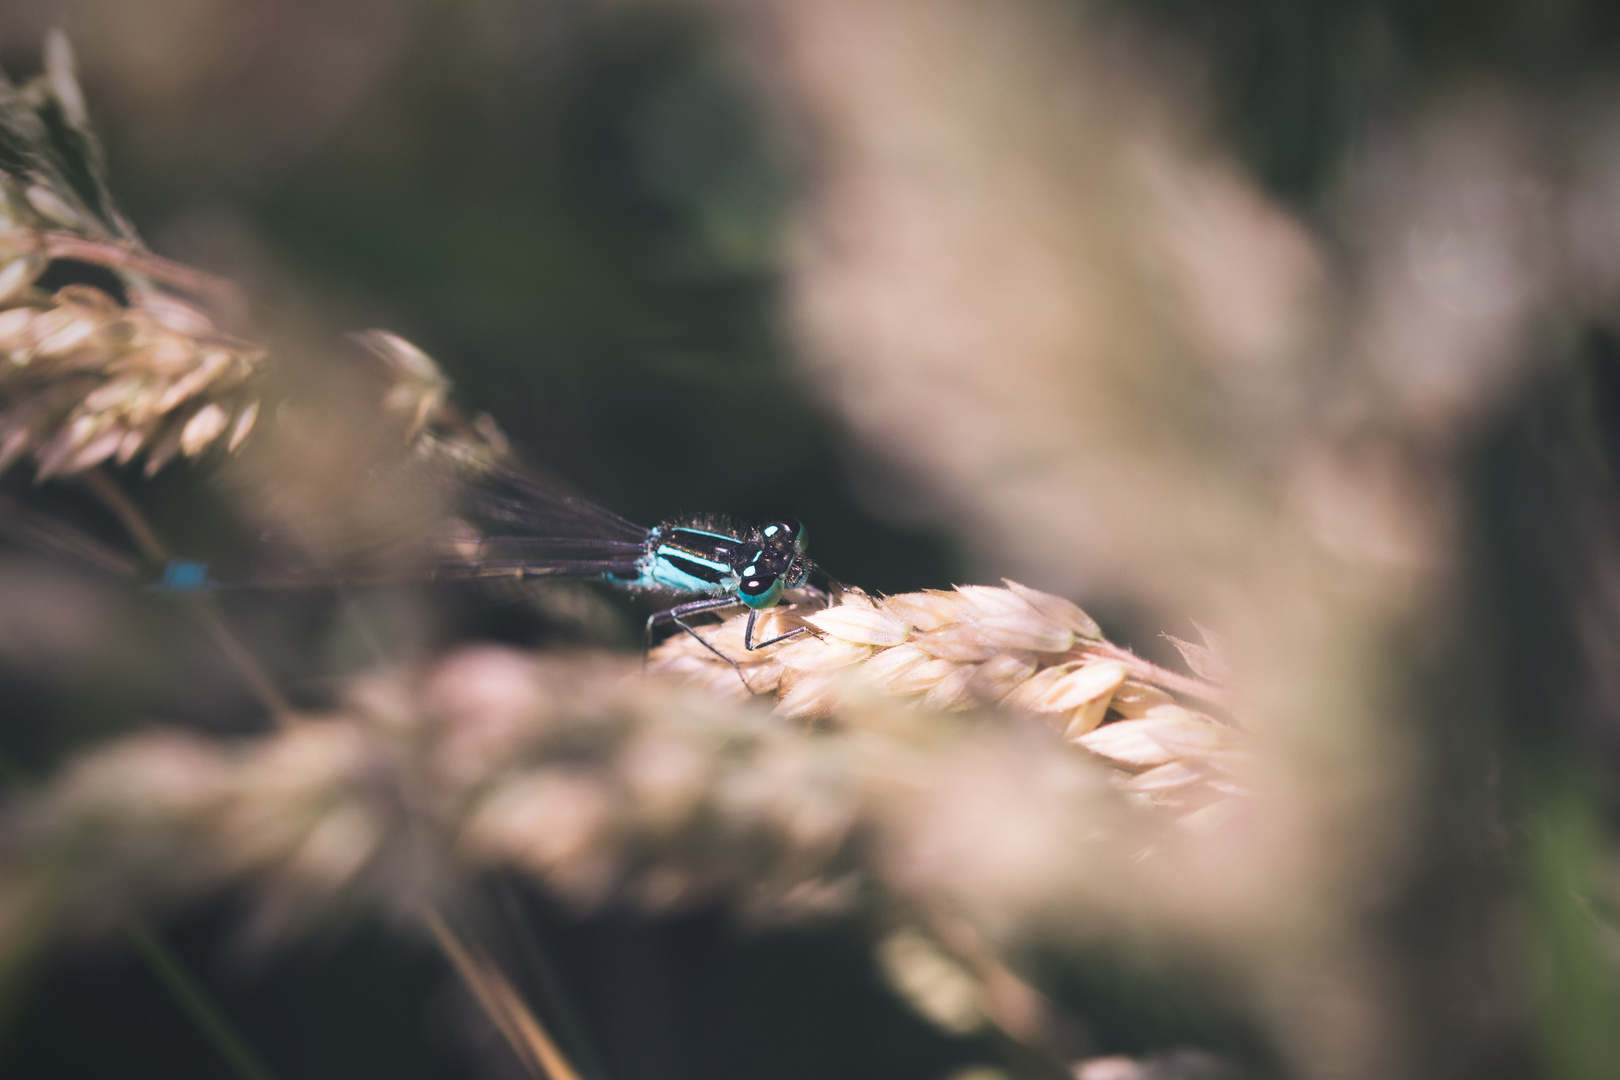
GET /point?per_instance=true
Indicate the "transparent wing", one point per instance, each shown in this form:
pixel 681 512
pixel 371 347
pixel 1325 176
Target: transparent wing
pixel 523 528
pixel 534 531
pixel 523 571
pixel 517 510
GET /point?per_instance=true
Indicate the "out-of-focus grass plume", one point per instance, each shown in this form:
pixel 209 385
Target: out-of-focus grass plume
pixel 111 354
pixel 104 360
pixel 602 786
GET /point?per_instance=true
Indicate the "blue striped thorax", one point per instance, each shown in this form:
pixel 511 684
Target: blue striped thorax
pixel 755 565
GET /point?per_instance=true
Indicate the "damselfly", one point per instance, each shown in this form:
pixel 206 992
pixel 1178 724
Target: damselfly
pixel 535 532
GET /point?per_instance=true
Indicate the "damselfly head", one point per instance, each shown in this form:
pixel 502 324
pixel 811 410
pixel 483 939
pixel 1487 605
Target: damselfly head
pixel 785 535
pixel 778 563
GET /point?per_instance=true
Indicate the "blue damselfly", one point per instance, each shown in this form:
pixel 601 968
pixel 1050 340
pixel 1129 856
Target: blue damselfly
pixel 522 530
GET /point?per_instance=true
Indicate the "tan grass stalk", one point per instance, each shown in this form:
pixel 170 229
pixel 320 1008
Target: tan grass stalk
pixel 530 1041
pixel 201 607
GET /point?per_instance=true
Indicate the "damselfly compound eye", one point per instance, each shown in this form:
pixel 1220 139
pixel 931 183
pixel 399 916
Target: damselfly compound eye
pixel 782 540
pixel 759 591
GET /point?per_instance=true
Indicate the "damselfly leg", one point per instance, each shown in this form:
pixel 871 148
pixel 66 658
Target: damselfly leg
pixel 747 632
pixel 677 615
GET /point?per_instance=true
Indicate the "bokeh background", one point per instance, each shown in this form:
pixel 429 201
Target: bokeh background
pixel 1298 320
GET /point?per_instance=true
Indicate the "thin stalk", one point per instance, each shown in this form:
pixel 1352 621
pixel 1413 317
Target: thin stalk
pixel 247 666
pixel 362 627
pixel 194 999
pixel 61 245
pixel 505 1007
pixel 526 1035
pixel 1147 671
pixel 202 608
pixel 187 992
pixel 129 516
pixel 553 995
pixel 501 1002
pixel 44 533
pixel 528 1038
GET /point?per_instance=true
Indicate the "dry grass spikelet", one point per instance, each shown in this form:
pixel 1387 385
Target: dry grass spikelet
pixel 102 356
pixel 1015 649
pixel 108 353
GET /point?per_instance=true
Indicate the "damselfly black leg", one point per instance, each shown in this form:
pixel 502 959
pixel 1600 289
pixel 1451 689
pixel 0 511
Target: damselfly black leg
pixel 696 607
pixel 748 633
pixel 677 615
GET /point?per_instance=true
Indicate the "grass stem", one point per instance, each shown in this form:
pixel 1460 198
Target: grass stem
pixel 528 1038
pixel 202 608
pixel 194 999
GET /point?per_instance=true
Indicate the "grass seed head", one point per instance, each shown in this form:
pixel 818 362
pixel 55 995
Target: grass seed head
pixel 130 364
pixel 1015 648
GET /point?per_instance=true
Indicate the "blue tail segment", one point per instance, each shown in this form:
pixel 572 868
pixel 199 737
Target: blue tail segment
pixel 185 575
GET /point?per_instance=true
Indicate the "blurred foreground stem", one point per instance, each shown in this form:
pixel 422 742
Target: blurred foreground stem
pixel 198 1006
pixel 529 1040
pixel 191 996
pixel 202 608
